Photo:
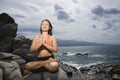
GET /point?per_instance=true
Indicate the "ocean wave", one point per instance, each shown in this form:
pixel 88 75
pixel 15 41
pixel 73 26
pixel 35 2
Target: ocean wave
pixel 84 54
pixel 75 53
pixel 78 66
pixel 98 55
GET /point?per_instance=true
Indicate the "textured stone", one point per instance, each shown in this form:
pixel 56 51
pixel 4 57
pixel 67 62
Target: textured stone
pixel 60 75
pixel 1 74
pixel 11 70
pixel 8 29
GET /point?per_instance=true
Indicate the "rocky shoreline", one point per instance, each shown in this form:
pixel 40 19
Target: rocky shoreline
pixel 14 54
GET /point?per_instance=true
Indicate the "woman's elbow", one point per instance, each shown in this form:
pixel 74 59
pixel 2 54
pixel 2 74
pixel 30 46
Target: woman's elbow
pixel 32 50
pixel 55 50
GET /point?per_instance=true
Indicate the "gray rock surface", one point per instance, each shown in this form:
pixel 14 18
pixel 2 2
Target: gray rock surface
pixel 9 56
pixel 1 74
pixel 115 72
pixel 97 72
pixel 60 75
pixel 8 29
pixel 11 70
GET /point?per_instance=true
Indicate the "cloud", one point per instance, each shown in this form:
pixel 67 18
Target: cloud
pixel 28 32
pixel 19 16
pixel 30 29
pixel 61 14
pixel 75 1
pixel 67 16
pixel 33 7
pixel 101 12
pixel 109 18
pixel 94 26
pixel 58 7
pixel 108 26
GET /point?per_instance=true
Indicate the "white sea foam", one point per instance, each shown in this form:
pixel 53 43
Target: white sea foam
pixel 86 54
pixel 75 53
pixel 78 66
pixel 70 54
pixel 98 55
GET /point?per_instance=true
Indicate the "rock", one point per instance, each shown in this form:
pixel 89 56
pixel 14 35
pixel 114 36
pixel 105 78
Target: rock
pixel 8 29
pixel 65 53
pixel 115 71
pixel 6 19
pixel 23 43
pixel 81 54
pixel 6 47
pixel 115 77
pixel 27 56
pixel 12 57
pixel 11 70
pixel 9 56
pixel 60 75
pixel 1 74
pixel 99 72
pixel 78 54
pixel 72 72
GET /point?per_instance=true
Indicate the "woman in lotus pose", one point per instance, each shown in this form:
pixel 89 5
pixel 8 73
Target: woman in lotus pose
pixel 44 44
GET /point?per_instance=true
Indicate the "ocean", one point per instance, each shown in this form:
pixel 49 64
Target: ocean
pixel 84 56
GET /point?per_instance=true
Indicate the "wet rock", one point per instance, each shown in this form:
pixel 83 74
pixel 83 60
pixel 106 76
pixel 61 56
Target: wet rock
pixel 65 53
pixel 115 77
pixel 81 54
pixel 115 71
pixel 99 72
pixel 72 72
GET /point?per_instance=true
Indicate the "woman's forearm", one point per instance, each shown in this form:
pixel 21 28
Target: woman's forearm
pixel 34 48
pixel 51 48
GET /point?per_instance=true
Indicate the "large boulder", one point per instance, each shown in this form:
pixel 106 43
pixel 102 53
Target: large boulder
pixel 72 72
pixel 13 57
pixel 8 29
pixel 9 56
pixel 23 43
pixel 1 74
pixel 21 47
pixel 115 71
pixel 6 19
pixel 60 75
pixel 11 70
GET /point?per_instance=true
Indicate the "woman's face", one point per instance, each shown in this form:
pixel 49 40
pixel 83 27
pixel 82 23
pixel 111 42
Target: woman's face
pixel 45 26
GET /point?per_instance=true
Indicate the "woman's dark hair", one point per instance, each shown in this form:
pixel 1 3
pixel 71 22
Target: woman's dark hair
pixel 50 25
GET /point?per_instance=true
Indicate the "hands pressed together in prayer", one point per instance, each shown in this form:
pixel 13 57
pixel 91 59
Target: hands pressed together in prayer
pixel 42 41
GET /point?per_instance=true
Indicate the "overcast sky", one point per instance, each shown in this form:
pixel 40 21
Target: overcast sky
pixel 82 20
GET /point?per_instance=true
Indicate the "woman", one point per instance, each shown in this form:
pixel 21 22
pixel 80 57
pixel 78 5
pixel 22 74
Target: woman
pixel 44 44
